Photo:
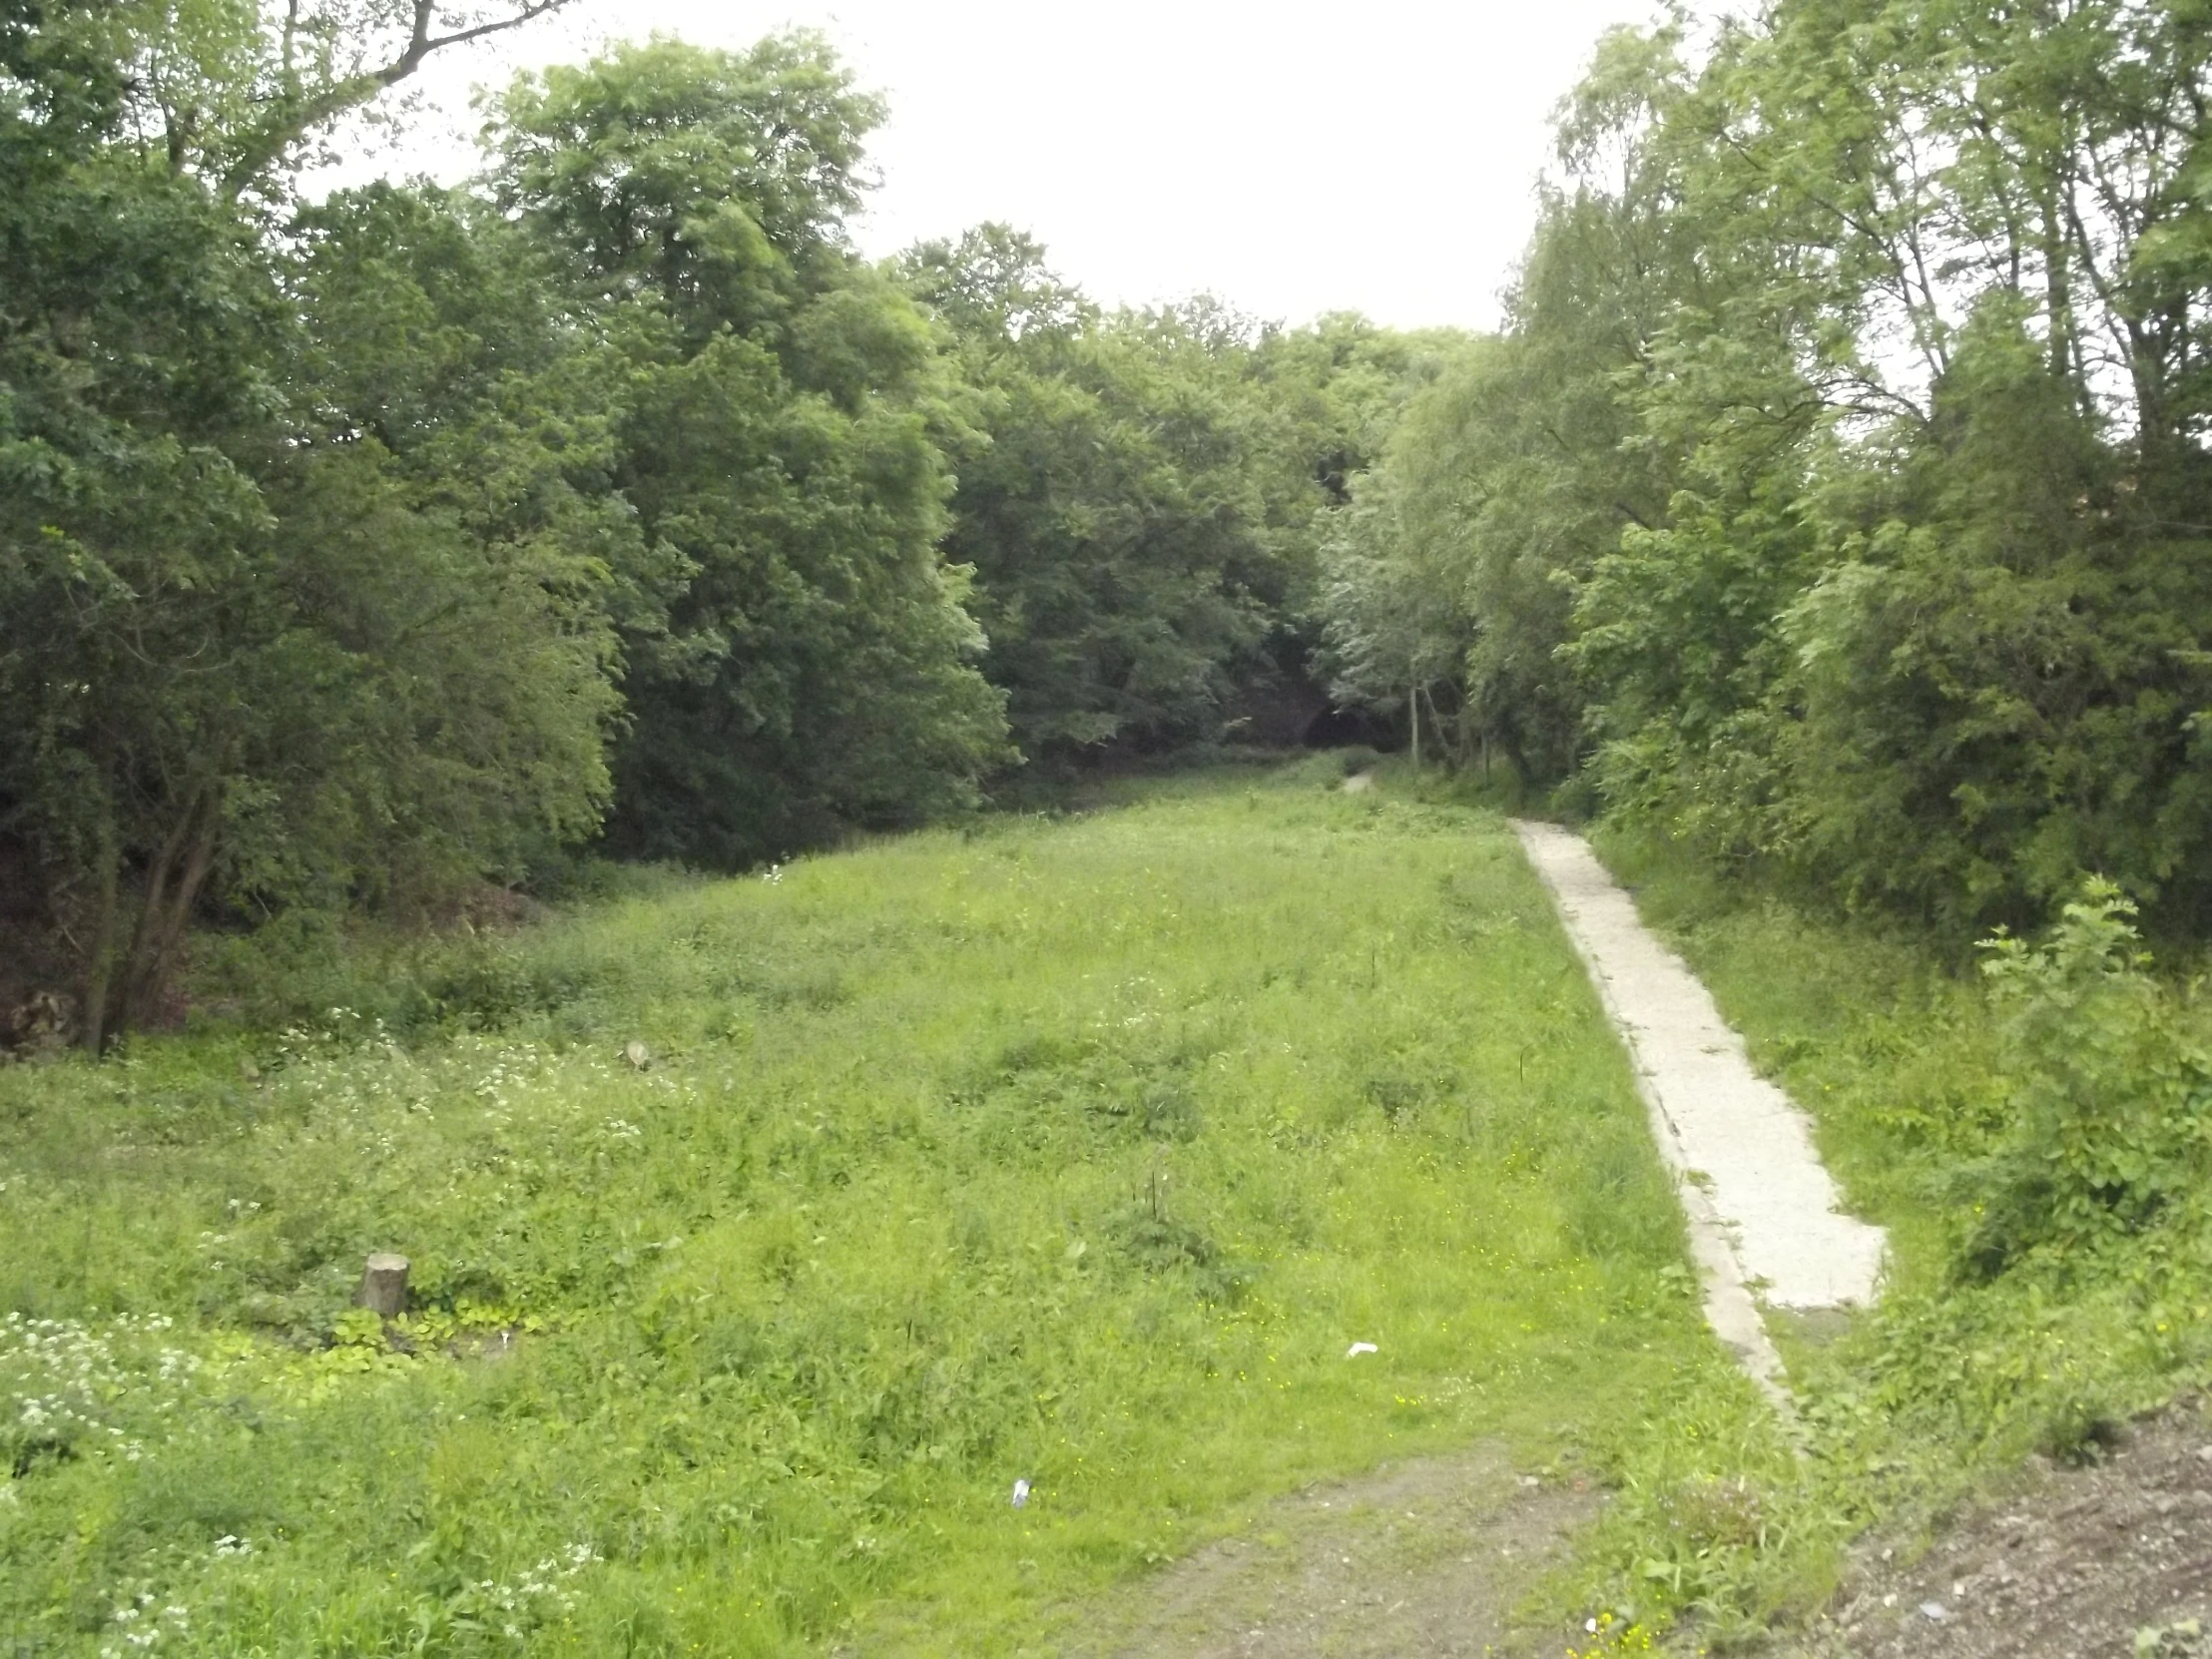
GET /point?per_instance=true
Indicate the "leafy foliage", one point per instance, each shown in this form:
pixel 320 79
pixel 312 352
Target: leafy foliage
pixel 784 444
pixel 1830 497
pixel 2109 1095
pixel 245 651
pixel 1143 518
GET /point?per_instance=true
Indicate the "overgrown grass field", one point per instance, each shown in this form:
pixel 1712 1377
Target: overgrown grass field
pixel 1075 1151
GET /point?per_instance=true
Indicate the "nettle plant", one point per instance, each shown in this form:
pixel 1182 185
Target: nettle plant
pixel 2110 1094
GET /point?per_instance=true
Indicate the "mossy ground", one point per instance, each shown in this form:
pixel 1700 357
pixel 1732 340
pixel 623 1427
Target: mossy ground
pixel 1074 1150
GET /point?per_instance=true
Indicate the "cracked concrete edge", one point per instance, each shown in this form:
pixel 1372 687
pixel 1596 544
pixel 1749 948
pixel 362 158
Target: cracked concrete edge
pixel 1729 1308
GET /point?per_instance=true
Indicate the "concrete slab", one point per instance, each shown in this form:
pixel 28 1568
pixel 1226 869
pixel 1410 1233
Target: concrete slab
pixel 1739 1145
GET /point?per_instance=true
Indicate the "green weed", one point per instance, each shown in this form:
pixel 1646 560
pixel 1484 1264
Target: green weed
pixel 2033 1136
pixel 1074 1150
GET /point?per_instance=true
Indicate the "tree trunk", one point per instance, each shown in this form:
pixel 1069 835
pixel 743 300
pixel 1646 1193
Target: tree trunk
pixel 100 970
pixel 125 983
pixel 384 1285
pixel 2057 290
pixel 171 889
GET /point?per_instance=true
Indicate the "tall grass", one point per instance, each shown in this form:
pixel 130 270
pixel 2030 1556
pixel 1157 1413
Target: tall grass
pixel 1069 1149
pixel 2038 1142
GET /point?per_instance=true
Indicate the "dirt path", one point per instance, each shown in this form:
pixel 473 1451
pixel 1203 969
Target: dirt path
pixel 1426 1560
pixel 1423 1560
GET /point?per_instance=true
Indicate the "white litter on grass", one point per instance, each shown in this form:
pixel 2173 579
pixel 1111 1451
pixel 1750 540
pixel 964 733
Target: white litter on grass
pixel 1358 1349
pixel 1022 1494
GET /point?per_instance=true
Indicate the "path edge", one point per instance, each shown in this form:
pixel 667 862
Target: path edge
pixel 1729 1308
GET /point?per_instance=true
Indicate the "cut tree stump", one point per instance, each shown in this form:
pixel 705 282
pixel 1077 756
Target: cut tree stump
pixel 385 1285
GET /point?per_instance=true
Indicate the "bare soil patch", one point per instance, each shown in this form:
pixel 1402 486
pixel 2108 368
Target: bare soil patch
pixel 1420 1560
pixel 2113 1558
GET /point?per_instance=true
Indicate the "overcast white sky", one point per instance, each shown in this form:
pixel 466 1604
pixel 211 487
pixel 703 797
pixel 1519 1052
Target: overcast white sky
pixel 1377 155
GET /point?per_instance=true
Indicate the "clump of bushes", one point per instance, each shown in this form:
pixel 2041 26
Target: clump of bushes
pixel 2109 1095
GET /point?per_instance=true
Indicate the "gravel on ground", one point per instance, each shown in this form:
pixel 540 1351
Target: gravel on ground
pixel 2112 1560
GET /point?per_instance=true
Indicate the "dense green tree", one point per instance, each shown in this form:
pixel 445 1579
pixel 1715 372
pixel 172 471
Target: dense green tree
pixel 1516 471
pixel 469 411
pixel 1943 469
pixel 1848 444
pixel 245 652
pixel 786 445
pixel 128 357
pixel 1120 544
pixel 1144 519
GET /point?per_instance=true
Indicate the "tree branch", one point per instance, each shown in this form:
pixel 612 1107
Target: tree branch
pixel 298 111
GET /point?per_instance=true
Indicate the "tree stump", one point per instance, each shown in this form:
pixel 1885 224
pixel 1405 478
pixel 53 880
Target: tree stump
pixel 385 1285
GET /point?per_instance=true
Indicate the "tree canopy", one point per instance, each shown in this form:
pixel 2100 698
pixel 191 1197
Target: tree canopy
pixel 1836 493
pixel 354 551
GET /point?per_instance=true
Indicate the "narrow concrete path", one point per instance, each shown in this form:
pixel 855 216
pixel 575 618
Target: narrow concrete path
pixel 1760 1203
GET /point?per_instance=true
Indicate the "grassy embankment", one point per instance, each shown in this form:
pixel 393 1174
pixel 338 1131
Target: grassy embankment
pixel 1071 1151
pixel 2039 1145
